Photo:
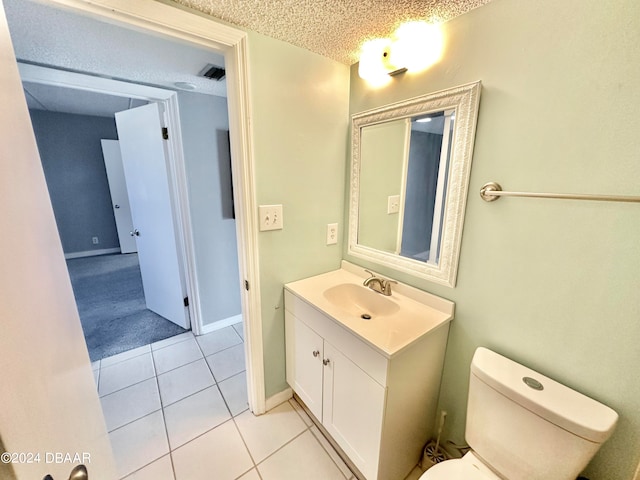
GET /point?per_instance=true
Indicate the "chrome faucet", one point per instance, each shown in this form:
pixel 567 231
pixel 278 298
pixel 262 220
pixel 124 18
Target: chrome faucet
pixel 378 284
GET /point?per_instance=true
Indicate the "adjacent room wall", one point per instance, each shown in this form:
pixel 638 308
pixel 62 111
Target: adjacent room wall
pixel 205 125
pixel 72 159
pixel 421 192
pixel 300 104
pixel 552 284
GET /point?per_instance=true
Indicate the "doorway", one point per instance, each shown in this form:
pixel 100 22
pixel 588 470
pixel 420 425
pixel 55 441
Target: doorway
pixel 219 38
pixel 116 307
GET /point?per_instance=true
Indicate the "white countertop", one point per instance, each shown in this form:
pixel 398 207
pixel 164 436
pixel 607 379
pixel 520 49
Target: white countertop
pixel 417 312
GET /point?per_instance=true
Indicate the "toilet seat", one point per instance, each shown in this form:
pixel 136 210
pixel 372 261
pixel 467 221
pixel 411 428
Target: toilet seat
pixel 468 467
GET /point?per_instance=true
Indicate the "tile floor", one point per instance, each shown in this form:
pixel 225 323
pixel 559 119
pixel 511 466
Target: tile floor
pixel 177 410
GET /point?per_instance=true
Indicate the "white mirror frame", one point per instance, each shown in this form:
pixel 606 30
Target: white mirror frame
pixel 464 100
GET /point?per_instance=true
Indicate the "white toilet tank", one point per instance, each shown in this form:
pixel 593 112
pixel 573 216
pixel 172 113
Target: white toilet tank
pixel 526 426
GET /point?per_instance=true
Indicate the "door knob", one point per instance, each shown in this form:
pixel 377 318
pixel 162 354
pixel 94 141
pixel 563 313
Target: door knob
pixel 135 233
pixel 116 206
pixel 316 353
pixel 79 472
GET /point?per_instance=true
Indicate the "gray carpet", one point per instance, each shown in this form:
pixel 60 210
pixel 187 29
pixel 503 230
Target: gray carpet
pixel 110 299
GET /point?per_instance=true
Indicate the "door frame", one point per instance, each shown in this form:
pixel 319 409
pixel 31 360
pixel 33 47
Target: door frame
pixel 173 22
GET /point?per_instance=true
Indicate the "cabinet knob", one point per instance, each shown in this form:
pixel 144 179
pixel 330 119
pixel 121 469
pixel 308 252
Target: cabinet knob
pixel 316 353
pixel 325 362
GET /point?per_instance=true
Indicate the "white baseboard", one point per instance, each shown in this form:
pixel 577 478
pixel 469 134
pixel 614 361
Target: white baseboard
pixel 212 327
pixel 91 253
pixel 280 397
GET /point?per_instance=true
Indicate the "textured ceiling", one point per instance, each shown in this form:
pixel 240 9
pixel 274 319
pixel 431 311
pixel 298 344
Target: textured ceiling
pixel 332 28
pixel 45 35
pixel 336 29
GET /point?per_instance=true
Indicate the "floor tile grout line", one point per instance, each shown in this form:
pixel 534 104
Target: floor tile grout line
pixel 233 419
pixel 275 451
pixel 224 400
pixel 152 461
pixel 200 391
pixel 201 358
pixel 125 359
pixel 171 450
pixel 216 331
pixel 165 427
pixel 307 429
pixel 128 475
pixel 198 436
pixel 188 363
pixel 321 445
pixel 217 382
pixel 185 397
pixel 186 338
pixel 162 407
pixel 184 365
pixel 219 351
pixel 164 420
pixel 135 420
pixel 329 453
pixel 253 462
pixel 123 388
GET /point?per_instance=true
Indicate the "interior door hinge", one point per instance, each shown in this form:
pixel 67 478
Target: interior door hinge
pixel 165 133
pixel 186 301
pixel 246 284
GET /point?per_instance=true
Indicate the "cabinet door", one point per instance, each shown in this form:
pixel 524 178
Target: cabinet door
pixel 353 410
pixel 304 363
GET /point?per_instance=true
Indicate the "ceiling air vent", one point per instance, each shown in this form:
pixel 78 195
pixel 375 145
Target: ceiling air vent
pixel 213 72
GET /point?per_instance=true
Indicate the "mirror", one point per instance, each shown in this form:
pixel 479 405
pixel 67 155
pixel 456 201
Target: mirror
pixel 409 179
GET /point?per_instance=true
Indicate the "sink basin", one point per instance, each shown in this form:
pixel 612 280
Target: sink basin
pixel 395 322
pixel 359 300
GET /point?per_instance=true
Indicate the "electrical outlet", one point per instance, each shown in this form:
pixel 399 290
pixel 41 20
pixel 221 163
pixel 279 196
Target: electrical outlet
pixel 270 217
pixel 393 204
pixel 332 233
pixel 95 240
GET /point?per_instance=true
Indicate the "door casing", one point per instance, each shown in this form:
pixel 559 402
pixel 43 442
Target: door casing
pixel 172 22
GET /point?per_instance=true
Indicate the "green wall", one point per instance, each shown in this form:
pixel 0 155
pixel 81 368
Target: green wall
pixel 552 284
pixel 382 153
pixel 300 120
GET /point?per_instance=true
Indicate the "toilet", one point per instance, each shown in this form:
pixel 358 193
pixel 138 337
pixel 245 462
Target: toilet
pixel 522 425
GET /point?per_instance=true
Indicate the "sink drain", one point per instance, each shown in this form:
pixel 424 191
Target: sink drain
pixel 365 316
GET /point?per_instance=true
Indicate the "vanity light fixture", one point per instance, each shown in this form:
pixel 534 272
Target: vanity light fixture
pixel 413 47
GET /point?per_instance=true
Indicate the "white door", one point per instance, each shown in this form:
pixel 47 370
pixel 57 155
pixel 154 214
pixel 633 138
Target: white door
pixel 119 195
pixel 144 158
pixel 48 396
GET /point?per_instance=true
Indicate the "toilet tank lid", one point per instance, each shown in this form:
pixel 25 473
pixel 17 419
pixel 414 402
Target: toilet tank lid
pixel 554 402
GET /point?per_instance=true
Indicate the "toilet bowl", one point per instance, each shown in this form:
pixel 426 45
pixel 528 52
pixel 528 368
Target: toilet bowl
pixel 522 425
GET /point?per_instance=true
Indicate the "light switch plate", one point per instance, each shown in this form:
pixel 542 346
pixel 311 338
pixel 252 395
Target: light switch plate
pixel 270 217
pixel 332 233
pixel 393 204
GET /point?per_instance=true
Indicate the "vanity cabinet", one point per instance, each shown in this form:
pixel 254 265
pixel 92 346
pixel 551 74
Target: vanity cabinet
pixel 378 409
